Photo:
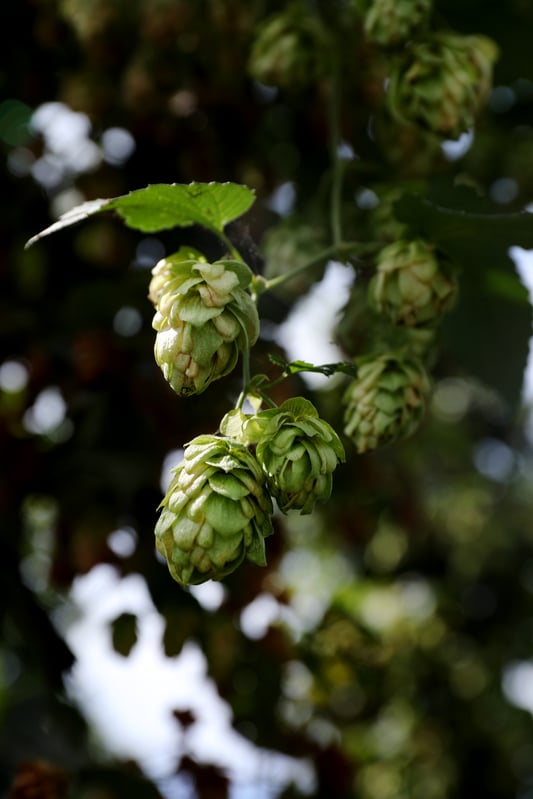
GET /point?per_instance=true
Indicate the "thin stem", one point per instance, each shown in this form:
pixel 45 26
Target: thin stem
pixel 233 250
pixel 336 160
pixel 267 400
pixel 341 249
pixel 245 373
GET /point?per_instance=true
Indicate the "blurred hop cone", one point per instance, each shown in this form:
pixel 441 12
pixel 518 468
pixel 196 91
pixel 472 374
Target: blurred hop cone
pixel 392 22
pixel 298 452
pixel 204 318
pixel 291 49
pixel 442 82
pixel 386 401
pixel 216 512
pixel 412 286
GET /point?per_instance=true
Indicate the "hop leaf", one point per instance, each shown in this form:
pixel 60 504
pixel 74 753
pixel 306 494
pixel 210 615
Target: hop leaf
pixel 216 512
pixel 386 401
pixel 204 318
pixel 412 286
pixel 391 22
pixel 298 452
pixel 442 82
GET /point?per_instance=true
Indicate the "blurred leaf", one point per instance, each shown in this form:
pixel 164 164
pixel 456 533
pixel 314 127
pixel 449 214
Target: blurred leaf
pixel 163 206
pixel 456 229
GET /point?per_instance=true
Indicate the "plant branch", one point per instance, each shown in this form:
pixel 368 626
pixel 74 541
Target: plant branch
pixel 233 250
pixel 336 160
pixel 340 250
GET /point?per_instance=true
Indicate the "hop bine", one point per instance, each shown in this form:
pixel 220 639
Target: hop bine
pixel 386 401
pixel 412 285
pixel 290 245
pixel 204 318
pixel 216 512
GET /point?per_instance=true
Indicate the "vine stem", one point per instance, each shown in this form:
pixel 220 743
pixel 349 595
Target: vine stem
pixel 341 249
pixel 233 250
pixel 336 160
pixel 245 374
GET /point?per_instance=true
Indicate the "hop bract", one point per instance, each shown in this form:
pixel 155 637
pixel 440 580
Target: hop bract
pixel 298 452
pixel 391 22
pixel 204 318
pixel 412 286
pixel 386 401
pixel 216 512
pixel 290 50
pixel 443 82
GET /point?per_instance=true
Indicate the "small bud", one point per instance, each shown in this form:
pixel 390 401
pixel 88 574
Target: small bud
pixel 412 286
pixel 386 401
pixel 216 512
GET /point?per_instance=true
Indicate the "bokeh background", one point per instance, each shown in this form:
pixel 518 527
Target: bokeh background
pixel 386 652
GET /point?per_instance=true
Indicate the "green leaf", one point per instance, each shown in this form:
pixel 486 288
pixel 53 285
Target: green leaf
pixel 163 206
pixel 487 334
pixel 327 369
pixel 72 217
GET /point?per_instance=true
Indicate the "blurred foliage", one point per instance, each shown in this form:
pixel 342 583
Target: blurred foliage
pixel 412 589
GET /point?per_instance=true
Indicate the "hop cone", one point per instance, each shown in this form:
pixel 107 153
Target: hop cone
pixel 386 401
pixel 391 22
pixel 443 82
pixel 204 318
pixel 298 452
pixel 216 511
pixel 411 287
pixel 290 49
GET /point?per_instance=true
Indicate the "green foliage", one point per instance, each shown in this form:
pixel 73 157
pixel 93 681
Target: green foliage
pixel 161 207
pixel 398 609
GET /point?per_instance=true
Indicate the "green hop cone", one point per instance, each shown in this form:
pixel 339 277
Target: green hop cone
pixel 298 452
pixel 442 82
pixel 204 318
pixel 290 50
pixel 216 512
pixel 412 285
pixel 386 401
pixel 392 22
